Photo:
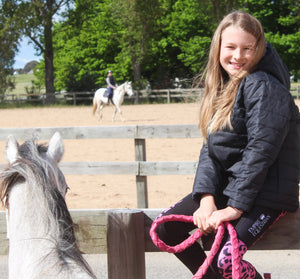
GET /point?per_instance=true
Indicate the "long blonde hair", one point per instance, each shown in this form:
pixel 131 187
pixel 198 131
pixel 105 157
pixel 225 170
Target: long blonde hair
pixel 220 89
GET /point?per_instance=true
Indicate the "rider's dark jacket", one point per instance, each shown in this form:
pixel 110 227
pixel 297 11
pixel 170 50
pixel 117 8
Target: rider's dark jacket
pixel 258 161
pixel 110 81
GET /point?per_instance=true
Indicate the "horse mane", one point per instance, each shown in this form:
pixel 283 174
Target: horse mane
pixel 40 174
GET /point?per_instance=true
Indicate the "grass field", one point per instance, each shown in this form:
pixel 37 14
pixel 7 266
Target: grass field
pixel 22 81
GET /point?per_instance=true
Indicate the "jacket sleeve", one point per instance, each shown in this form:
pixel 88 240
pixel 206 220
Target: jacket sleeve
pixel 108 83
pixel 208 178
pixel 268 113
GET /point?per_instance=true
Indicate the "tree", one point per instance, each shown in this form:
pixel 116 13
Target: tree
pixel 188 28
pixel 85 47
pixel 113 35
pixel 34 19
pixel 8 47
pixel 186 31
pixel 281 22
pixel 138 18
pixel 155 41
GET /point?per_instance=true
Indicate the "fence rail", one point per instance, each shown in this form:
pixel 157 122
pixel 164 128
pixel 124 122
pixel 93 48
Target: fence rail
pixel 123 234
pixel 104 132
pixel 139 133
pixel 75 97
pixel 99 229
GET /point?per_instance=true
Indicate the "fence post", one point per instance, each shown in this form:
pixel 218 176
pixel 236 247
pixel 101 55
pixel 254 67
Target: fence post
pixel 126 244
pixel 74 99
pixel 169 96
pixel 141 181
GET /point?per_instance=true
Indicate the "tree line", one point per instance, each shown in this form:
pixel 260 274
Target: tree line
pixel 150 42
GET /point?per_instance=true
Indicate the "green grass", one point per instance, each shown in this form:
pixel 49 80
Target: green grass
pixel 22 81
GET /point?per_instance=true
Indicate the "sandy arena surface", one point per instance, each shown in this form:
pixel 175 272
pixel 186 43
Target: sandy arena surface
pixel 116 191
pixel 119 191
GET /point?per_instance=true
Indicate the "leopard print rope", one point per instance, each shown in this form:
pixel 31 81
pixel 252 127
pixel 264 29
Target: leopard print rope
pixel 193 238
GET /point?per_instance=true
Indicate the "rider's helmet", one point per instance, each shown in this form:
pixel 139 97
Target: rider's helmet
pixel 109 71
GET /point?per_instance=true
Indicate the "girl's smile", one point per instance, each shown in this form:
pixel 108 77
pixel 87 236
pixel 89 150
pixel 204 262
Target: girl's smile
pixel 237 50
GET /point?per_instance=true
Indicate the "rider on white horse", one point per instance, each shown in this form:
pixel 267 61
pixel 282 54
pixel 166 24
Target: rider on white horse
pixel 111 85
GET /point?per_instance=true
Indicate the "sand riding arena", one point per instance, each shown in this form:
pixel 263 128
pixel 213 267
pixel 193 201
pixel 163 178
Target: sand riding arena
pixel 116 191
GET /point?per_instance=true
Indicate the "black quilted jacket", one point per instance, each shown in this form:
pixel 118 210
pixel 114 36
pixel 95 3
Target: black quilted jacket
pixel 258 162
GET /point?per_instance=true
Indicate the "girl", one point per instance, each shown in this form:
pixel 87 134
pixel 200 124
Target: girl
pixel 248 171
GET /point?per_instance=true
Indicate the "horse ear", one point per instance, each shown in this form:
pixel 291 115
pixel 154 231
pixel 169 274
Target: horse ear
pixel 12 149
pixel 56 147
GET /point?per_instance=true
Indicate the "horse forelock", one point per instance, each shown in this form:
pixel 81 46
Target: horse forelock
pixel 44 170
pixel 32 168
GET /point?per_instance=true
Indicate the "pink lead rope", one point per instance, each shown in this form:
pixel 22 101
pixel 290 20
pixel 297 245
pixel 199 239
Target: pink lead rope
pixel 193 238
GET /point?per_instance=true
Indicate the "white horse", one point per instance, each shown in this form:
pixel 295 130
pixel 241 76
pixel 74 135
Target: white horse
pixel 100 101
pixel 42 242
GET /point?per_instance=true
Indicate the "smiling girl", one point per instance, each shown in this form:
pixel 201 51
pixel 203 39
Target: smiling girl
pixel 249 166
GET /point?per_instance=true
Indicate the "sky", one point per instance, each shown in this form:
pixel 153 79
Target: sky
pixel 26 54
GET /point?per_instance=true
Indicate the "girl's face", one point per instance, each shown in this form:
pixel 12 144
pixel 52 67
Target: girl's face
pixel 237 50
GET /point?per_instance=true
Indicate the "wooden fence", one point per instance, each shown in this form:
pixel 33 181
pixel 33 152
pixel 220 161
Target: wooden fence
pixel 123 234
pixel 87 97
pixel 108 230
pixel 155 94
pixel 139 133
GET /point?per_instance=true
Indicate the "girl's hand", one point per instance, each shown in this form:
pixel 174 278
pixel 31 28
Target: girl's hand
pixel 220 216
pixel 203 213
